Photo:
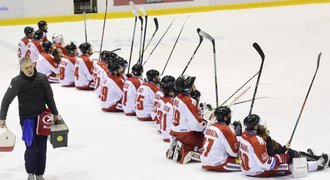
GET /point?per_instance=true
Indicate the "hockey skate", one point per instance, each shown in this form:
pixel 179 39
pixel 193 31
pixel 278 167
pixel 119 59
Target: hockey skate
pixel 31 177
pixel 192 155
pixel 321 163
pixel 177 152
pixel 170 151
pixel 40 177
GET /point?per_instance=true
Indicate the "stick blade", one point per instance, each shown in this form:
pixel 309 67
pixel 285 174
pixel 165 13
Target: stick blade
pixel 156 23
pixel 259 50
pixel 200 36
pixel 318 60
pixel 207 36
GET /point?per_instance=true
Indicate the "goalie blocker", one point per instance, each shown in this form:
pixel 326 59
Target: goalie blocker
pixel 59 134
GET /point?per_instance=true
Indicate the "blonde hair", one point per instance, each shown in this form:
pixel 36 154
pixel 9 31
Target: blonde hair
pixel 24 60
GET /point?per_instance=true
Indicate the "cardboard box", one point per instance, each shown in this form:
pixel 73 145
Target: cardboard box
pixel 59 135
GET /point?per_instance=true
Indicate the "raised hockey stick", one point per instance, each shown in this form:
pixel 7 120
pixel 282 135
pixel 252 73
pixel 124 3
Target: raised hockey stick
pixel 200 42
pixel 309 90
pixel 145 32
pixel 241 102
pixel 85 27
pixel 136 14
pixel 239 96
pixel 262 55
pixel 117 49
pixel 207 36
pixel 131 3
pixel 153 35
pixel 105 19
pixel 176 41
pixel 158 42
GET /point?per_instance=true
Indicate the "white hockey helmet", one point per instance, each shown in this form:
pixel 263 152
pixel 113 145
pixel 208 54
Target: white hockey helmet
pixel 57 38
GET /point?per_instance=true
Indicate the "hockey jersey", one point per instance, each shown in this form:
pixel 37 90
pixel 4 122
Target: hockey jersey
pixel 131 86
pixel 33 50
pixel 66 68
pixel 83 77
pixel 100 73
pixel 219 143
pixel 186 116
pixel 144 101
pixel 62 48
pixel 45 64
pixel 165 116
pixel 111 94
pixel 23 47
pixel 158 96
pixel 254 157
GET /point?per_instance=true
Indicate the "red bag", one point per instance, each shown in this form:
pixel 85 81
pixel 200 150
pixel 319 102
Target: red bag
pixel 44 123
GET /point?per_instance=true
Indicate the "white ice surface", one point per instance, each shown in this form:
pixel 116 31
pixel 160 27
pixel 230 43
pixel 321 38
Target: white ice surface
pixel 113 146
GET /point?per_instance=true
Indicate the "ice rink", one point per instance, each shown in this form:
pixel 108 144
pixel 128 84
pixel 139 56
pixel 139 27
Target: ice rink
pixel 113 146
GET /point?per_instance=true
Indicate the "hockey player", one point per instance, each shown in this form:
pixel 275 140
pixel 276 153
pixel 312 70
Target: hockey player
pixel 220 146
pixel 48 64
pixel 123 64
pixel 156 104
pixel 165 106
pixel 100 69
pixel 43 26
pixel 187 126
pixel 23 44
pixel 66 66
pixel 131 86
pixel 145 96
pixel 83 74
pixel 58 42
pixel 34 47
pixel 255 160
pixel 112 88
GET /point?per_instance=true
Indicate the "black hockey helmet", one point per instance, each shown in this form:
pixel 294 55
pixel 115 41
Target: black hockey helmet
pixel 137 69
pixel 85 47
pixel 114 66
pixel 251 121
pixel 123 63
pixel 151 74
pixel 70 47
pixel 47 46
pixel 184 83
pixel 223 114
pixel 167 84
pixel 43 26
pixel 38 34
pixel 28 30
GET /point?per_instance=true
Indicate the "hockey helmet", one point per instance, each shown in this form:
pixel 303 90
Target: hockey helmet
pixel 223 114
pixel 38 34
pixel 28 30
pixel 47 46
pixel 57 38
pixel 167 84
pixel 137 69
pixel 123 63
pixel 251 121
pixel 43 26
pixel 114 66
pixel 151 74
pixel 70 47
pixel 184 83
pixel 85 48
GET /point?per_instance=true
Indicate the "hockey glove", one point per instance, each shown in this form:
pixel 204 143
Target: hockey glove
pixel 280 159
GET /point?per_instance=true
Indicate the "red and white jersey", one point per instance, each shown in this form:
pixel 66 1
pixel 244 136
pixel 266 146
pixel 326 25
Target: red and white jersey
pixel 159 94
pixel 112 93
pixel 254 156
pixel 66 68
pixel 144 100
pixel 34 49
pixel 165 116
pixel 100 73
pixel 45 64
pixel 23 47
pixel 219 143
pixel 61 47
pixel 186 115
pixel 131 86
pixel 83 77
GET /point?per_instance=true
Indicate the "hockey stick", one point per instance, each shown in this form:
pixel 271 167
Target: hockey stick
pixel 85 26
pixel 153 35
pixel 145 32
pixel 241 102
pixel 207 36
pixel 158 42
pixel 131 3
pixel 239 96
pixel 176 41
pixel 132 43
pixel 309 89
pixel 117 49
pixel 105 18
pixel 262 55
pixel 200 42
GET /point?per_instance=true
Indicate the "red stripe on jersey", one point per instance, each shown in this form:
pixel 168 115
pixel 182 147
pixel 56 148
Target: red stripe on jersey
pixel 117 80
pixel 71 58
pixel 50 59
pixel 136 82
pixel 88 63
pixel 25 40
pixel 190 105
pixel 229 135
pixel 152 86
pixel 61 47
pixel 38 45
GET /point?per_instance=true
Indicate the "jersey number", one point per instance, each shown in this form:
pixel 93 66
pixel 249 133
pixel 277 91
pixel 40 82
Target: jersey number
pixel 176 120
pixel 245 161
pixel 76 69
pixel 104 93
pixel 207 149
pixel 124 98
pixel 62 71
pixel 139 102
